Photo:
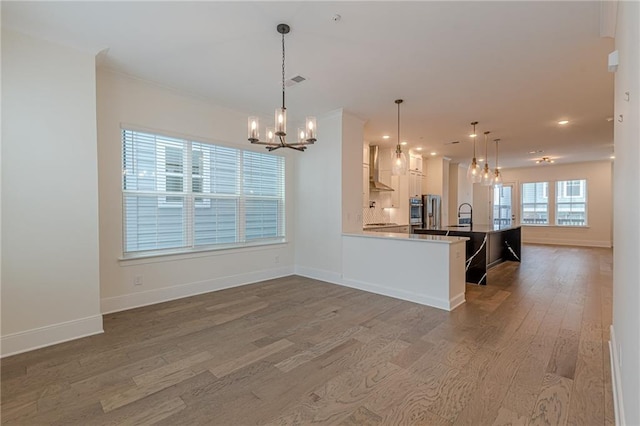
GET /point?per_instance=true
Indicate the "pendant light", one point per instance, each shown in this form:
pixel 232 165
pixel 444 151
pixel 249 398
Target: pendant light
pixel 398 158
pixel 497 176
pixel 304 136
pixel 487 175
pixel 474 171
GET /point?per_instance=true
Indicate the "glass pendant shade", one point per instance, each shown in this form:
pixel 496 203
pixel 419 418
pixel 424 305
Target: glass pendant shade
pixel 311 129
pixel 487 176
pixel 281 121
pixel 271 135
pixel 398 163
pixel 474 172
pixel 253 126
pixel 398 158
pixel 497 176
pixel 497 179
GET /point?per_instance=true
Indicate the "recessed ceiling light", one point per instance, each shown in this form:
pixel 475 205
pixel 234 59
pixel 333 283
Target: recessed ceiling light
pixel 499 167
pixel 480 159
pixel 563 122
pixel 613 157
pixel 419 149
pixel 386 137
pixel 472 135
pixel 403 143
pixel 434 153
pixel 536 152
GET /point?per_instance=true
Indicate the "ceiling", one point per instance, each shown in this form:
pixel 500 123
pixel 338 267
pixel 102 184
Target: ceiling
pixel 515 67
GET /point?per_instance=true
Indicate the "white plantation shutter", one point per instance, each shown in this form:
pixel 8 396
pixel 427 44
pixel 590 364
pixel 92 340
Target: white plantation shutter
pixel 571 202
pixel 180 195
pixel 535 203
pixel 263 190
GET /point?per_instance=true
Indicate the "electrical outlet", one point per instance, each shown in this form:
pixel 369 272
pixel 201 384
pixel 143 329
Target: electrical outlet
pixel 137 280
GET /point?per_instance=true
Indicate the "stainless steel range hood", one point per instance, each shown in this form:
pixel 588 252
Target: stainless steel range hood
pixel 374 172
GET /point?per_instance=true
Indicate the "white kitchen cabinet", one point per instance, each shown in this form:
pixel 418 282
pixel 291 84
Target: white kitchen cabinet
pixel 415 184
pixel 365 186
pixel 415 163
pixel 400 194
pixel 365 154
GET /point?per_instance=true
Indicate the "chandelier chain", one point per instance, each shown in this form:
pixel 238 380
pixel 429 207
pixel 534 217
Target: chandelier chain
pixel 283 71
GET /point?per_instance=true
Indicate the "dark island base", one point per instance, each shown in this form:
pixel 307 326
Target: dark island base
pixel 485 248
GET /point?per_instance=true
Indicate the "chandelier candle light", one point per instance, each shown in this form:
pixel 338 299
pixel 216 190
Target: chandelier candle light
pixel 399 158
pixel 497 176
pixel 474 173
pixel 487 176
pixel 305 136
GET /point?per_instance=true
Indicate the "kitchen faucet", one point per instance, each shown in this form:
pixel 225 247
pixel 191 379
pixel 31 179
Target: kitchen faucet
pixel 470 213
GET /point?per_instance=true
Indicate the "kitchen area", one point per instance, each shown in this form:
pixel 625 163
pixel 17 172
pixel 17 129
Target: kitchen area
pixel 432 198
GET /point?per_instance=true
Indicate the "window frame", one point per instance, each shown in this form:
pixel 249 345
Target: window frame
pixel 544 196
pixel 554 192
pixel 193 201
pixel 572 200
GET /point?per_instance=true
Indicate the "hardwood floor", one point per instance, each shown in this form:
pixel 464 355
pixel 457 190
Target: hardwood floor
pixel 530 348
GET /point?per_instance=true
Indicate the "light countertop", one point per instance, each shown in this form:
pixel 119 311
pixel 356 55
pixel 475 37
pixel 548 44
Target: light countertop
pixel 442 239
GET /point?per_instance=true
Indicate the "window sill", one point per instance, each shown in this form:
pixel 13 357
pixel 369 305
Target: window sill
pixel 170 256
pixel 541 225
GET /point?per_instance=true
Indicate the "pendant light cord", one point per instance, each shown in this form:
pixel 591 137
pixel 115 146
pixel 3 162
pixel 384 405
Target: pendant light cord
pixel 475 136
pixel 398 148
pixel 486 151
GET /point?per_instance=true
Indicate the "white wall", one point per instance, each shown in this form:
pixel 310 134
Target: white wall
pixel 352 137
pixel 599 214
pixel 460 191
pixel 124 100
pixel 482 200
pixel 50 287
pixel 318 199
pixel 625 336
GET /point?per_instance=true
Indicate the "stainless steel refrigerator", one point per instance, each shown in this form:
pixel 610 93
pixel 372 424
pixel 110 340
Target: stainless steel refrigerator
pixel 431 211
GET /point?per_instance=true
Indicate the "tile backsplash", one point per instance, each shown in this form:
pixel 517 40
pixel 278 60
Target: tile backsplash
pixel 381 212
pixel 375 215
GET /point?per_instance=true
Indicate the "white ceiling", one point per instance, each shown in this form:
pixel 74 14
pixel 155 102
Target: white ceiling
pixel 516 67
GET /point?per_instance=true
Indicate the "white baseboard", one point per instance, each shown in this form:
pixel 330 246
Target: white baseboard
pixel 319 274
pixel 40 337
pixel 456 301
pixel 616 379
pixel 566 242
pixel 150 297
pixel 447 305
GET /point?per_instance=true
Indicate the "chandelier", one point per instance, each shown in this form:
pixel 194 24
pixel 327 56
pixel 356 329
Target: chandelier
pixel 275 136
pixel 545 160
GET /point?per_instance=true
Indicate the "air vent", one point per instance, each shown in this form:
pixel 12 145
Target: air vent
pixel 294 80
pixel 451 143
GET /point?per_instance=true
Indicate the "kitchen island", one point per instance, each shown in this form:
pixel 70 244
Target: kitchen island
pixel 487 246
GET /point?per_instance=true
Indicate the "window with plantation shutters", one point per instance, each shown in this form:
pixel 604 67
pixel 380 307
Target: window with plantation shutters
pixel 571 202
pixel 181 195
pixel 535 203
